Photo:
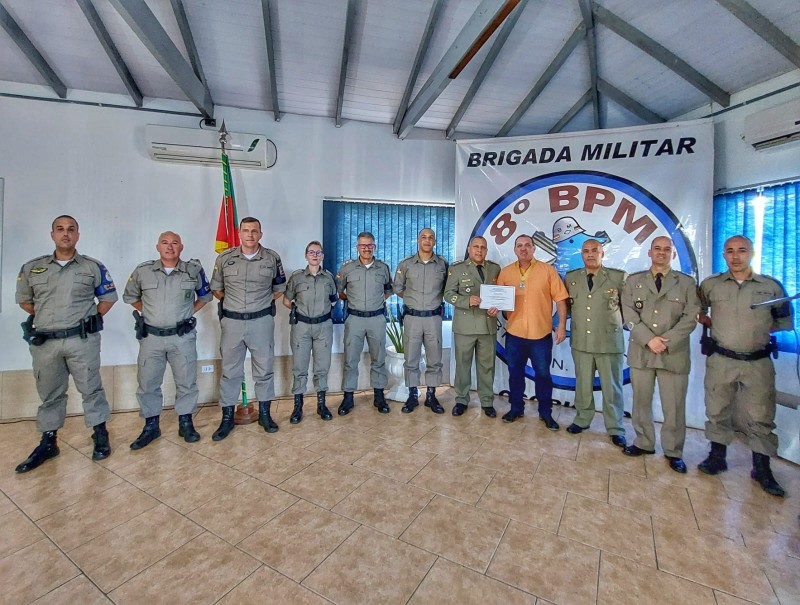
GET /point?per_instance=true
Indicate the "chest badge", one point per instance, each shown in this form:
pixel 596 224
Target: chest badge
pixel 38 270
pixel 639 304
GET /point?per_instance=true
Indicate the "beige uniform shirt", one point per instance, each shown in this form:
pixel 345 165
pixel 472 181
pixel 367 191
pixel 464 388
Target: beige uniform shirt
pixel 312 294
pixel 365 287
pixel 421 283
pixel 248 284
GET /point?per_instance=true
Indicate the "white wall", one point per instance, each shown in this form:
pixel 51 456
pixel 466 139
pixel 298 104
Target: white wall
pixel 91 162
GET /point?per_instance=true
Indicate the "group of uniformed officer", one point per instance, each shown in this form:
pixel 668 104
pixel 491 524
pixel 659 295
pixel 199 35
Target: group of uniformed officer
pixel 66 294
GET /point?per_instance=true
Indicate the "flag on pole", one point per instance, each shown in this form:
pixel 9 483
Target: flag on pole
pixel 228 224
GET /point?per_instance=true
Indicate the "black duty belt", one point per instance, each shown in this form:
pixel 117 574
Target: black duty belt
pixel 374 313
pixel 254 315
pixel 313 320
pixel 90 325
pixel 415 313
pixel 743 356
pixel 153 331
pixel 68 333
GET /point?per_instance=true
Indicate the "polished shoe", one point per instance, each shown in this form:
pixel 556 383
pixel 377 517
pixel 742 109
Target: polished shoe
pixel 47 448
pixel 459 409
pixel 677 464
pixel 549 422
pixel 322 409
pixel 150 433
pixel 379 401
pixel 715 463
pixel 226 424
pixel 490 412
pixel 347 404
pixel 186 429
pixel 619 440
pixel 763 474
pixel 412 402
pixel 431 401
pixel 635 450
pixel 511 416
pixel 297 412
pixel 574 429
pixel 102 447
pixel 265 417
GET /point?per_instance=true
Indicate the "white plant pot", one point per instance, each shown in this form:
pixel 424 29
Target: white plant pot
pixel 397 390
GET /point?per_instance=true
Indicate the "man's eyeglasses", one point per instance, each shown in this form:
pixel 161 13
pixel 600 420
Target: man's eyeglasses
pixel 315 253
pixel 366 246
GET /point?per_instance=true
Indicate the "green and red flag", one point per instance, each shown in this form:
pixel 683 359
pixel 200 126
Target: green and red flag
pixel 228 224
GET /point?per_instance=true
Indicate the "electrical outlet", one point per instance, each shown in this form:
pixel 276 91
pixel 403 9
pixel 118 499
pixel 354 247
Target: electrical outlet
pixel 206 369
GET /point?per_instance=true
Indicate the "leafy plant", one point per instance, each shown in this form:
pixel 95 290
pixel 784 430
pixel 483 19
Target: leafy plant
pixel 394 330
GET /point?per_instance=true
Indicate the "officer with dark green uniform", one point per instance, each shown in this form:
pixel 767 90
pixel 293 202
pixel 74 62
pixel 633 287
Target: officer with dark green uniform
pixel 419 281
pixel 247 280
pixel 166 294
pixel 365 283
pixel 474 329
pixel 59 291
pixel 739 369
pixel 660 307
pixel 596 340
pixel 309 294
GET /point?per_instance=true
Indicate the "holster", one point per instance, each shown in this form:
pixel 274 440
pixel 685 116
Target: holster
pixel 139 326
pixel 29 333
pixel 186 326
pixel 706 343
pixel 293 315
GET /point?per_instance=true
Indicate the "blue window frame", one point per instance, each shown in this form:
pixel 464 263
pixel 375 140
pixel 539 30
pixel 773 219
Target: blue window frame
pixel 395 227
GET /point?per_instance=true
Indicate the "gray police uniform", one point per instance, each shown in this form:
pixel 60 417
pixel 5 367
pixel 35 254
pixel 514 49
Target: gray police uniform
pixel 597 344
pixel 474 332
pixel 671 314
pixel 740 370
pixel 63 299
pixel 248 319
pixel 365 288
pixel 312 296
pixel 421 285
pixel 167 300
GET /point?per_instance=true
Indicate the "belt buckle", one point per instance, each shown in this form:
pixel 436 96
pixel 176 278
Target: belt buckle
pixel 245 316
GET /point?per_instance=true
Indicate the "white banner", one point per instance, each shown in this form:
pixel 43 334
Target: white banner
pixel 623 187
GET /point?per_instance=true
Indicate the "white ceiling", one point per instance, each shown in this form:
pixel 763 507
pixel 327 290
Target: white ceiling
pixel 309 37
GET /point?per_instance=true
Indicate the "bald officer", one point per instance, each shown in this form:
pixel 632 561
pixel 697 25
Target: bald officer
pixel 166 293
pixel 247 281
pixel 59 291
pixel 474 329
pixel 365 283
pixel 660 307
pixel 419 281
pixel 596 340
pixel 739 369
pixel 310 294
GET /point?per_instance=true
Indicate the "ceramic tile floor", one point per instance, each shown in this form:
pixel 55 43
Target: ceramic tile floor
pixel 382 510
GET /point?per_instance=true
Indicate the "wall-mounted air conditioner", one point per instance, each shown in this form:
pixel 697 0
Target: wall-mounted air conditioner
pixel 774 126
pixel 196 146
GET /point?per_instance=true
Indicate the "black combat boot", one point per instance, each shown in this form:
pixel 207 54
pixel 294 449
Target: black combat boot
pixel 265 418
pixel 433 403
pixel 322 409
pixel 102 447
pixel 412 402
pixel 763 474
pixel 150 433
pixel 297 412
pixel 186 429
pixel 347 404
pixel 226 425
pixel 715 463
pixel 380 402
pixel 47 448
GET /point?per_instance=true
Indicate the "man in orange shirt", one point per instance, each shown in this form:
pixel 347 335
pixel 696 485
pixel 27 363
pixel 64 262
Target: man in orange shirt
pixel 529 328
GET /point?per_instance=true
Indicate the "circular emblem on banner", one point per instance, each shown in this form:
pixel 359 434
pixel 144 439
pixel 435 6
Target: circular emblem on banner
pixel 562 210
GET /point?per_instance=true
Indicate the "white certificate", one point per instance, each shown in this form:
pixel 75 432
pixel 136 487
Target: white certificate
pixel 500 297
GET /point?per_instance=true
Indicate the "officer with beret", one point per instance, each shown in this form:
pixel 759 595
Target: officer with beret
pixel 419 281
pixel 660 307
pixel 365 283
pixel 474 329
pixel 739 369
pixel 309 295
pixel 166 293
pixel 596 340
pixel 247 280
pixel 66 295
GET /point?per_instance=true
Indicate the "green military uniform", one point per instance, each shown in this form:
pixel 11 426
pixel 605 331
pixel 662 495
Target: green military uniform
pixel 422 286
pixel 597 344
pixel 366 289
pixel 248 319
pixel 64 299
pixel 669 313
pixel 740 370
pixel 167 300
pixel 312 296
pixel 474 332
